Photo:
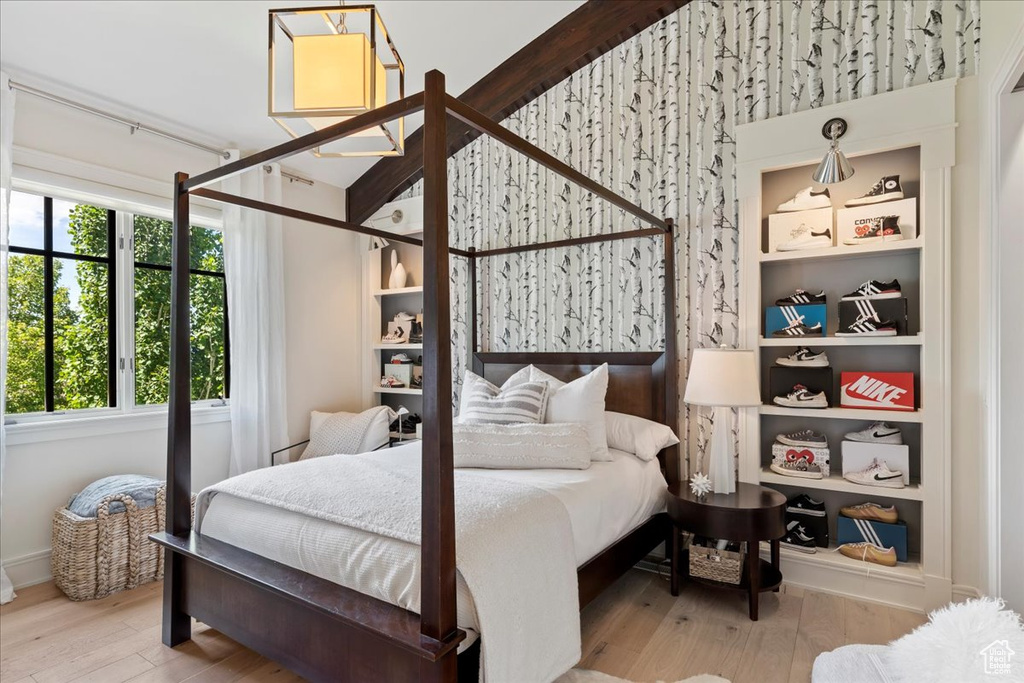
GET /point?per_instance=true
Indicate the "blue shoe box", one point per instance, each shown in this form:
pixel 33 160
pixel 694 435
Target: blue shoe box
pixel 881 534
pixel 781 317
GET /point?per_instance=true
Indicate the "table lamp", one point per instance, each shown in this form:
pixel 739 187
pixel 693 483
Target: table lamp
pixel 723 379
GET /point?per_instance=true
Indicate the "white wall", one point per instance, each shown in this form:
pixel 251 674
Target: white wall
pixel 322 283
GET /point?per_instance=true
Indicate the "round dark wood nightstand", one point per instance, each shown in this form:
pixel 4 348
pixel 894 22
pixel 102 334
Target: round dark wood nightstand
pixel 752 514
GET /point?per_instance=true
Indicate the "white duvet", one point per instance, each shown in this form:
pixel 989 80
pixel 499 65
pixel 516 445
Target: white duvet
pixel 603 503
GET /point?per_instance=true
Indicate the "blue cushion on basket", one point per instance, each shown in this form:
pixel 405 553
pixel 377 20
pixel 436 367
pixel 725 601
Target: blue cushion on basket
pixel 141 488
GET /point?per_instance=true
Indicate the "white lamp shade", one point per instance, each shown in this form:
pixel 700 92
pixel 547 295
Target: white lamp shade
pixel 722 377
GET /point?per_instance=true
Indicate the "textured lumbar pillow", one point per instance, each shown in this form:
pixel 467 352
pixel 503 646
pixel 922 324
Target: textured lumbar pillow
pixel 521 446
pixel 579 401
pixel 513 403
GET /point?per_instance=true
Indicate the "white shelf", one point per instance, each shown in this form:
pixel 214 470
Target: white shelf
pixel 396 347
pixel 835 482
pixel 916 416
pixel 904 340
pixel 402 290
pixel 842 252
pixel 830 557
pixel 403 390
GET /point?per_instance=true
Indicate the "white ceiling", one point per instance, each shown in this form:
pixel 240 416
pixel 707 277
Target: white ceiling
pixel 198 68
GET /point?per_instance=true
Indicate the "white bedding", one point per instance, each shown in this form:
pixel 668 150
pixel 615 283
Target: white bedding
pixel 604 502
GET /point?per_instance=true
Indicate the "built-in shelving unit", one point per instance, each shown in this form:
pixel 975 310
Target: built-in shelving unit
pixel 920 147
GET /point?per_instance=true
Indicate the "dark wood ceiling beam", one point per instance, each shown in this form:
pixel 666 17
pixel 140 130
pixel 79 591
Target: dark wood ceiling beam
pixel 584 35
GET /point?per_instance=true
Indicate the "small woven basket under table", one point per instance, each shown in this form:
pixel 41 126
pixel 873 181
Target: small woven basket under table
pixel 717 565
pixel 93 557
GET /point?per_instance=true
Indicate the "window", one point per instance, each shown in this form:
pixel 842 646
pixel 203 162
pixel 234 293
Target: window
pixel 70 348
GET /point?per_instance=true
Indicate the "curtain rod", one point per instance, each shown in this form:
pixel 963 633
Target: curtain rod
pixel 134 126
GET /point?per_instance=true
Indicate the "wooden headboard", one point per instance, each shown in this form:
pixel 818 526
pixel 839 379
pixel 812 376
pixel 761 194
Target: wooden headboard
pixel 636 384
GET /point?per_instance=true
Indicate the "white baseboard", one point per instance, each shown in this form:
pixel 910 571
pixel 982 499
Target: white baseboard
pixel 28 570
pixel 961 592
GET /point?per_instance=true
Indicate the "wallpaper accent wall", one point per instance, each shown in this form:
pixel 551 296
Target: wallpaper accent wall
pixel 654 119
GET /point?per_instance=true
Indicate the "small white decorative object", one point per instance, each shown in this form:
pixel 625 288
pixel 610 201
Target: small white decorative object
pixel 398 274
pixel 700 485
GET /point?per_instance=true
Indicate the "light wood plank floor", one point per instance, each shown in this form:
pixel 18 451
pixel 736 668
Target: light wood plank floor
pixel 635 630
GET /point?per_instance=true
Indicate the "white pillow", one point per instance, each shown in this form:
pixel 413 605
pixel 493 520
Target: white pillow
pixel 632 434
pixel 521 446
pixel 470 378
pixel 376 435
pixel 580 401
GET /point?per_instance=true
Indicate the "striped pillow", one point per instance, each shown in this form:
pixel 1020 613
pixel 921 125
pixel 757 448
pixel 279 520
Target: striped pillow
pixel 484 403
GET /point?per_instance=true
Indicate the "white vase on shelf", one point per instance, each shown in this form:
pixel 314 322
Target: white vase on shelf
pixel 398 274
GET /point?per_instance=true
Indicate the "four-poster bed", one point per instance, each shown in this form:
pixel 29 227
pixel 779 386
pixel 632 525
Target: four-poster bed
pixel 325 631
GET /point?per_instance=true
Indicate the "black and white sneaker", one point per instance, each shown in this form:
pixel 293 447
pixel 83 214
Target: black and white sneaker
pixel 801 298
pixel 805 438
pixel 868 325
pixel 797 538
pixel 801 397
pixel 875 289
pixel 807 198
pixel 879 432
pixel 805 505
pixel 798 329
pixel 884 229
pixel 886 189
pixel 803 357
pixel 805 237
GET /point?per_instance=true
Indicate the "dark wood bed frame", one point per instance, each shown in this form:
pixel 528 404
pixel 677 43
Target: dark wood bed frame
pixel 319 629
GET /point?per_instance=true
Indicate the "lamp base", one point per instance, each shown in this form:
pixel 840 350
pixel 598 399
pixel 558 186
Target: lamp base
pixel 721 469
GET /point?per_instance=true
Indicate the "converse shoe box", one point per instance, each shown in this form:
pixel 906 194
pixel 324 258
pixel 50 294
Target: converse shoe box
pixel 858 456
pixel 860 218
pixel 816 527
pixel 881 534
pixel 781 317
pixel 782 453
pixel 783 227
pixel 781 380
pixel 869 390
pixel 886 309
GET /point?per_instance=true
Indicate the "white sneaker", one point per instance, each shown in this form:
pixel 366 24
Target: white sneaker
pixel 877 474
pixel 879 432
pixel 800 397
pixel 807 198
pixel 803 357
pixel 806 238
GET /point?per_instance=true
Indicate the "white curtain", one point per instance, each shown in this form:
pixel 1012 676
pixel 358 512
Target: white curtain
pixel 6 144
pixel 253 266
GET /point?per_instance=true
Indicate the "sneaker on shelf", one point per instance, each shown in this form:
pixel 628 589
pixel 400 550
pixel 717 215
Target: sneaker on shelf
pixel 805 505
pixel 805 438
pixel 886 189
pixel 797 538
pixel 416 383
pixel 879 432
pixel 391 383
pixel 801 298
pixel 807 238
pixel 872 512
pixel 868 325
pixel 807 198
pixel 396 337
pixel 875 289
pixel 885 229
pixel 797 468
pixel 801 397
pixel 869 552
pixel 798 329
pixel 877 474
pixel 803 357
pixel 403 317
pixel 400 359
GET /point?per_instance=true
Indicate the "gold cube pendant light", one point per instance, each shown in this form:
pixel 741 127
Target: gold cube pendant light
pixel 328 64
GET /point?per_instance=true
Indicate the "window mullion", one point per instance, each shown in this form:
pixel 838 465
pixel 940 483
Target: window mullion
pixel 48 287
pixel 126 283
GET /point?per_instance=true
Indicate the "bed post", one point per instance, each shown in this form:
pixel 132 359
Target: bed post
pixel 472 307
pixel 437 605
pixel 177 625
pixel 673 464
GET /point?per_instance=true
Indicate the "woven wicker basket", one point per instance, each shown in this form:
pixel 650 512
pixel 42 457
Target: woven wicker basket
pixel 717 565
pixel 93 557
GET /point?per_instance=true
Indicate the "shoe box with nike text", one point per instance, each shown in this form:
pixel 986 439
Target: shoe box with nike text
pixel 781 380
pixel 853 221
pixel 781 317
pixel 879 533
pixel 885 309
pixel 858 456
pixel 866 390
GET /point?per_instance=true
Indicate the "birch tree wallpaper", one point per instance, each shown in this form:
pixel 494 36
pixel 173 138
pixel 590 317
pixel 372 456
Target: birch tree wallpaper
pixel 654 119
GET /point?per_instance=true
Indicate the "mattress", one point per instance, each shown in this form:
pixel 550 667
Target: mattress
pixel 605 502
